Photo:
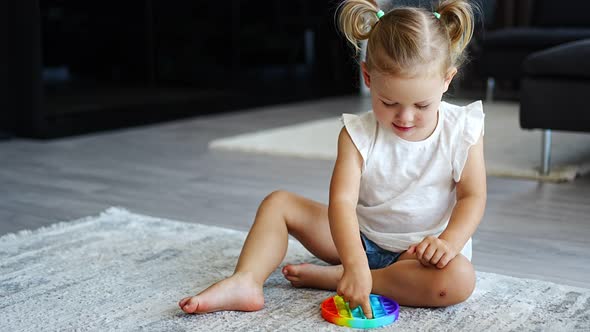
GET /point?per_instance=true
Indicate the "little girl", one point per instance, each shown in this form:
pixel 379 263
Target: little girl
pixel 408 188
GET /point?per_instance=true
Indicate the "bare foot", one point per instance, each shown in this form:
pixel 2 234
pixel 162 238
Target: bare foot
pixel 313 276
pixel 239 292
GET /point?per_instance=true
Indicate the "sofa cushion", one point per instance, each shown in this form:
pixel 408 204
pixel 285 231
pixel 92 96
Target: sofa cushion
pixel 554 104
pixel 570 60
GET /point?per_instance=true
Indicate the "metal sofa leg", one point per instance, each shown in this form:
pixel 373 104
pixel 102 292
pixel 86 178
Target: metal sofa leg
pixel 490 86
pixel 546 152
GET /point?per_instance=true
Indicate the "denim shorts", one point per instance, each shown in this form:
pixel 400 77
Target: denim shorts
pixel 378 257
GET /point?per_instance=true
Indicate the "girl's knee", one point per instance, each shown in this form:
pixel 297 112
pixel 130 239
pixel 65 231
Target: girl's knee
pixel 279 203
pixel 276 198
pixel 454 283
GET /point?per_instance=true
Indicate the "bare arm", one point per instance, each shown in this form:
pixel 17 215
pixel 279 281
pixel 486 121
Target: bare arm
pixel 471 199
pixel 466 216
pixel 344 192
pixel 356 282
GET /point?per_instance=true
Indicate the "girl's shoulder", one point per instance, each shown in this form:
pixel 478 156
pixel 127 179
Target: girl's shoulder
pixel 362 129
pixel 455 113
pixel 360 123
pixel 463 126
pixel 365 118
pixel 464 121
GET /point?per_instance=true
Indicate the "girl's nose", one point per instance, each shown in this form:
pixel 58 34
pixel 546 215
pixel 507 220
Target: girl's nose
pixel 404 115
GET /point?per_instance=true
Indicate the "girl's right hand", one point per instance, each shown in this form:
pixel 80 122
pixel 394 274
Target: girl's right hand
pixel 355 288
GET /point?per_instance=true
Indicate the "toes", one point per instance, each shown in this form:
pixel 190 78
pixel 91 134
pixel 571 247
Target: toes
pixel 292 274
pixel 183 301
pixel 190 306
pixel 290 270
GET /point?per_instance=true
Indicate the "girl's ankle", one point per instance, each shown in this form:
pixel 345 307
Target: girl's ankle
pixel 247 276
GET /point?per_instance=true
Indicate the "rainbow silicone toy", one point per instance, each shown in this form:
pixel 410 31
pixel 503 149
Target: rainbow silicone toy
pixel 336 311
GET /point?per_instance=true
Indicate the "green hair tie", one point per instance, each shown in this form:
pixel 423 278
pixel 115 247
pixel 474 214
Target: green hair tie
pixel 380 14
pixel 437 15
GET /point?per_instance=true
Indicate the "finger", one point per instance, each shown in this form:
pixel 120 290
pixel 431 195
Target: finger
pixel 445 259
pixel 411 249
pixel 421 248
pixel 425 263
pixel 429 253
pixel 366 306
pixel 436 257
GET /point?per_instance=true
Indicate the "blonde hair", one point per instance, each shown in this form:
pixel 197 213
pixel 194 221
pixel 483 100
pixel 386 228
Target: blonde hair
pixel 405 39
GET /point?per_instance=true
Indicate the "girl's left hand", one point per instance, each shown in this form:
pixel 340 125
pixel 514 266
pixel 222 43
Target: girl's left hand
pixel 433 251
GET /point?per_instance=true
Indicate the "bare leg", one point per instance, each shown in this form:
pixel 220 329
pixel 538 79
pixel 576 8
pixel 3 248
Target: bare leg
pixel 313 276
pixel 407 281
pixel 281 213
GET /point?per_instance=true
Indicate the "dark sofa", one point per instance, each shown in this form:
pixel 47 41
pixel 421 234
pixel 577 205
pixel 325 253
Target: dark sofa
pixel 554 92
pixel 545 52
pixel 542 24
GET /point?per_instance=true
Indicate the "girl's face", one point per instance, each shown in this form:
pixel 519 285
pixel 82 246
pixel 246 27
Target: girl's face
pixel 408 106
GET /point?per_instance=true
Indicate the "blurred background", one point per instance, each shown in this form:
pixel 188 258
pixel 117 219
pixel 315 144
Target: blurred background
pixel 71 67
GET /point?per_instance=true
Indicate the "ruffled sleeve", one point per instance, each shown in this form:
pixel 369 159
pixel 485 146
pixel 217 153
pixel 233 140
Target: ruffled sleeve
pixel 361 129
pixel 470 132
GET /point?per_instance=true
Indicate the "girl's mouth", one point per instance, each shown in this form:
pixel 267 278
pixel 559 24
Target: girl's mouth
pixel 401 128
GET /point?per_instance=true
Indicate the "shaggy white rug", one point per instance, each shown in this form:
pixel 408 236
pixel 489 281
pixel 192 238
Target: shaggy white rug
pixel 510 151
pixel 126 272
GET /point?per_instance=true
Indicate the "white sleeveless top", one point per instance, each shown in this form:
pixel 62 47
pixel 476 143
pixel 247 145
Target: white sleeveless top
pixel 407 189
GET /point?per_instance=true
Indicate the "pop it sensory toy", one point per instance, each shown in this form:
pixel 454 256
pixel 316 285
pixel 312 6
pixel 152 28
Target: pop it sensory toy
pixel 385 312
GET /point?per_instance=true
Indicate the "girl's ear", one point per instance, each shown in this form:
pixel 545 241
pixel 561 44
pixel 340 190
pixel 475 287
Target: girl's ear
pixel 449 78
pixel 366 75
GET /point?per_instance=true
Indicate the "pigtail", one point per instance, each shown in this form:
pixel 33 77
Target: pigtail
pixel 356 20
pixel 458 18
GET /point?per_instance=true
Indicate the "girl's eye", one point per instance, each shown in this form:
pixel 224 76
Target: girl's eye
pixel 388 105
pixel 421 107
